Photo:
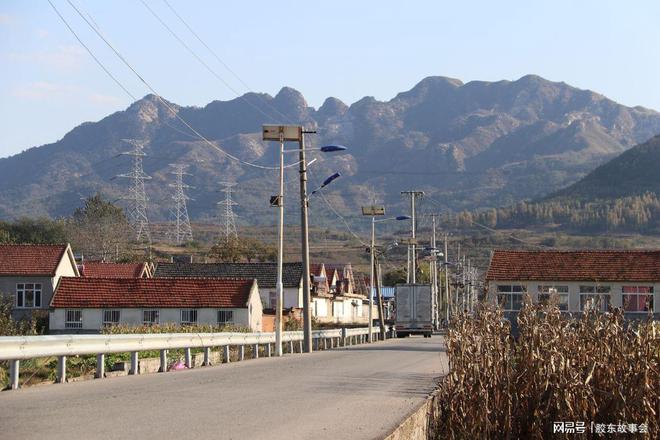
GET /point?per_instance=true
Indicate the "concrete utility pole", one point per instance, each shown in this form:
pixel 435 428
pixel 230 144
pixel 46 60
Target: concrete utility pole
pixel 412 254
pixel 304 230
pixel 433 272
pixel 447 294
pixel 226 213
pixel 137 212
pixel 182 231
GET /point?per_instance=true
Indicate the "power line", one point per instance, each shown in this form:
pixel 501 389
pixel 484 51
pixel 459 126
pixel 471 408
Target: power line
pixel 198 58
pixel 158 96
pixel 91 53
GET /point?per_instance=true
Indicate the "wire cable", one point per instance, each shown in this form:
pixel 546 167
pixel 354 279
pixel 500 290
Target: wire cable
pixel 215 55
pixel 200 60
pixel 162 101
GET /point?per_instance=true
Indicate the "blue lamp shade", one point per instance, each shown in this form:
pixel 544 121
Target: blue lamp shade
pixel 327 181
pixel 333 148
pixel 403 217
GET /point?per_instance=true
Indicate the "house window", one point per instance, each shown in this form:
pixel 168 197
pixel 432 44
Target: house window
pixel 637 298
pixel 225 316
pixel 111 317
pixel 545 293
pixel 28 295
pixel 188 317
pixel 150 317
pixel 73 319
pixel 509 297
pixel 595 298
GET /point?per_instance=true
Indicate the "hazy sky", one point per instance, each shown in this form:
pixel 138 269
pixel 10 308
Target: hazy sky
pixel 346 49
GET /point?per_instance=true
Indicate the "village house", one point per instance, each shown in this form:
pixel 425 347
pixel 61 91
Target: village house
pixel 348 303
pixel 322 298
pixel 29 274
pixel 264 273
pixel 86 305
pixel 581 279
pixel 102 269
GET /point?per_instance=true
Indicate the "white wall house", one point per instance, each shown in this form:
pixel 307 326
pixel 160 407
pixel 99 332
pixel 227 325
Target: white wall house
pixel 86 305
pixel 30 273
pixel 581 279
pixel 264 273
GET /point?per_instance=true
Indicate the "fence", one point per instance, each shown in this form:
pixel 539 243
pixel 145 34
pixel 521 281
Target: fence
pixel 17 348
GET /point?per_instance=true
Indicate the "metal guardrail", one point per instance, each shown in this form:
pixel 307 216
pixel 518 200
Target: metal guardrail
pixel 17 348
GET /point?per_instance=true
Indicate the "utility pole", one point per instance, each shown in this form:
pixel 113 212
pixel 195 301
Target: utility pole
pixel 137 212
pixel 447 294
pixel 412 254
pixel 182 231
pixel 434 275
pixel 226 213
pixel 304 230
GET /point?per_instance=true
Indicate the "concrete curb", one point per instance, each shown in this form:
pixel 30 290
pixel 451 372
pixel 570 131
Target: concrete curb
pixel 416 426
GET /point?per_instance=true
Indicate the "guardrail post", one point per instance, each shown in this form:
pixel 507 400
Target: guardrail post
pixel 135 361
pixel 268 350
pixel 14 372
pixel 100 366
pixel 343 337
pixel 241 352
pixel 300 346
pixel 225 354
pixel 61 369
pixel 207 356
pixel 255 351
pixel 290 346
pixel 325 343
pixel 188 357
pixel 163 361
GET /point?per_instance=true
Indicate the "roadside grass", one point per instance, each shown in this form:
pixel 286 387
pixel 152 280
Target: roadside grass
pixel 597 368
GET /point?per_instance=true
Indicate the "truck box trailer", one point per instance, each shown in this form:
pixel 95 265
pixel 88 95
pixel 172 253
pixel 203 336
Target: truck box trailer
pixel 414 313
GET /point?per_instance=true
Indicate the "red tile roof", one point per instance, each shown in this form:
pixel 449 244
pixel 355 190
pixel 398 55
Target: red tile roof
pixel 100 269
pixel 30 259
pixel 602 265
pixel 75 292
pixel 315 269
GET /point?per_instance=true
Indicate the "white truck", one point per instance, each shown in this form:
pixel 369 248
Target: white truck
pixel 413 310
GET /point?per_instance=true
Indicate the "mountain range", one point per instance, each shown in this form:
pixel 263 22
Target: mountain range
pixel 467 145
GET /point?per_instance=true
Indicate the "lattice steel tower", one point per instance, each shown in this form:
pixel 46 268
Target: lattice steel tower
pixel 137 211
pixel 181 231
pixel 226 213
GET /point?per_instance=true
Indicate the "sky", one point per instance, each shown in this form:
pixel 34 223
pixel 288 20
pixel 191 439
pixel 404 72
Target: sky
pixel 347 49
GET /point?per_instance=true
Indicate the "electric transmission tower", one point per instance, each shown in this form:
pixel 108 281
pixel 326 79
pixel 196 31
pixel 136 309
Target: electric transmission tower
pixel 137 211
pixel 226 213
pixel 181 231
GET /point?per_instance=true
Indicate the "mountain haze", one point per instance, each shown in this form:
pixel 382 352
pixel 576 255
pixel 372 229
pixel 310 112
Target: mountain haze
pixel 470 145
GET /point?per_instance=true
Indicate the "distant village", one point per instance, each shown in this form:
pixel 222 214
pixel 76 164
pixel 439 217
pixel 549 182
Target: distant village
pixel 84 296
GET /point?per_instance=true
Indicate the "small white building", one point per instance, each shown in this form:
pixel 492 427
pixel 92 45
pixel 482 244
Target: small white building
pixel 86 305
pixel 29 274
pixel 581 279
pixel 264 273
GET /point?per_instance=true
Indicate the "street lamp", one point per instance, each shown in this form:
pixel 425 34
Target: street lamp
pixel 374 211
pixel 282 133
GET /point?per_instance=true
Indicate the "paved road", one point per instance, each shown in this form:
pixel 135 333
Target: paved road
pixel 358 392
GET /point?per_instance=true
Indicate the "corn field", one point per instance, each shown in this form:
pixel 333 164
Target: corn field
pixel 595 369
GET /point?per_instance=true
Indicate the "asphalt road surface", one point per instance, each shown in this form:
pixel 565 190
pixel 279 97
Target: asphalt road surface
pixel 357 392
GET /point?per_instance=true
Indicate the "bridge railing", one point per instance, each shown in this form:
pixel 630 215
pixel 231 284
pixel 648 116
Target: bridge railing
pixel 17 348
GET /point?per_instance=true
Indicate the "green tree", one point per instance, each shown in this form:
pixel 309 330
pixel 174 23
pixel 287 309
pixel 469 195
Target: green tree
pixel 35 231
